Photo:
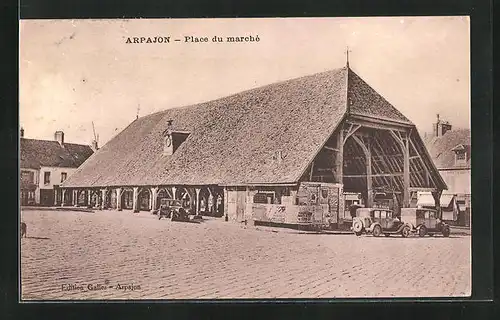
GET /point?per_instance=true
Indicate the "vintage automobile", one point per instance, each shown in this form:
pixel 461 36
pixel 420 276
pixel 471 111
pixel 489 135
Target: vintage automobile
pixel 378 221
pixel 424 221
pixel 173 209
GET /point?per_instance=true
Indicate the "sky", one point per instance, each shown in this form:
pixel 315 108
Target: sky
pixel 75 72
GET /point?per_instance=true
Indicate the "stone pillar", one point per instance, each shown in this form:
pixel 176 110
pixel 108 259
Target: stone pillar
pixel 103 200
pixel 154 195
pixel 197 190
pixel 135 199
pixel 63 197
pixel 119 199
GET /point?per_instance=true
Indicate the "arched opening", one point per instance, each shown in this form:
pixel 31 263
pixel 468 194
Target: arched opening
pixel 81 198
pixel 186 197
pixel 127 199
pixel 162 193
pixel 144 199
pixel 67 197
pixel 112 199
pixel 94 198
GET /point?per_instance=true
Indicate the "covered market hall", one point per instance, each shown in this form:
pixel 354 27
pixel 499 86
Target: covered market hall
pixel 258 153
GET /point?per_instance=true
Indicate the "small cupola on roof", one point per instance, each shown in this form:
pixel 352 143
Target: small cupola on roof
pixel 172 138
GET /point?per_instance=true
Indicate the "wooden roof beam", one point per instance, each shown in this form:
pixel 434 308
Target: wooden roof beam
pixel 377 175
pixel 376 123
pixel 382 160
pixel 330 148
pixel 424 165
pixel 352 129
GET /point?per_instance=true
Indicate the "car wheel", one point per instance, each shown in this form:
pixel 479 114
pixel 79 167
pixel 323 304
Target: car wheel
pixel 446 232
pixel 387 234
pixel 405 232
pixel 422 231
pixel 377 231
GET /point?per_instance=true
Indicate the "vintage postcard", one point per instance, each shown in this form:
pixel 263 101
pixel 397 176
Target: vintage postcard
pixel 245 158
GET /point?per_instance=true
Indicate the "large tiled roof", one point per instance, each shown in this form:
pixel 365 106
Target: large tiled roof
pixel 441 148
pixel 365 101
pixel 233 139
pixel 37 153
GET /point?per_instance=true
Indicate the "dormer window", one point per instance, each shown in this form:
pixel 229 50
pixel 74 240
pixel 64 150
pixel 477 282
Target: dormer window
pixel 172 139
pixel 460 155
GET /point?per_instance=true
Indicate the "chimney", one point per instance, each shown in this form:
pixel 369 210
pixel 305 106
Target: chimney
pixel 440 127
pixel 59 137
pixel 22 132
pixel 94 146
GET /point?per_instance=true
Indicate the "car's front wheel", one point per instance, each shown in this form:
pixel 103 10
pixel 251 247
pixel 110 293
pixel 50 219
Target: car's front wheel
pixel 422 231
pixel 405 232
pixel 377 231
pixel 446 232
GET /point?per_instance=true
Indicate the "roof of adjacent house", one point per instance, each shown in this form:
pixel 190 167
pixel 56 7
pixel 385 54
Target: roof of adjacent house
pixel 45 153
pixel 442 148
pixel 233 140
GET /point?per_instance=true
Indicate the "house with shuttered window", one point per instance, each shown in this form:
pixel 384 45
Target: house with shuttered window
pixel 45 164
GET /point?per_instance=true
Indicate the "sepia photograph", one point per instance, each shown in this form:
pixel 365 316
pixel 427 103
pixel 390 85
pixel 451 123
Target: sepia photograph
pixel 245 158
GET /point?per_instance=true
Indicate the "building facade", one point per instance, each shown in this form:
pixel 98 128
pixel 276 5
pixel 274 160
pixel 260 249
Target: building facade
pixel 450 150
pixel 274 153
pixel 45 164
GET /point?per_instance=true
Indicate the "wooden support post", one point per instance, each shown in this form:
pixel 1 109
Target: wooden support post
pixel 437 202
pixel 135 199
pixel 75 201
pixel 154 196
pixel 226 204
pixel 89 198
pixel 55 197
pixel 74 198
pixel 173 192
pixel 406 173
pixel 119 199
pixel 311 172
pixel 197 201
pixel 369 178
pixel 63 194
pixel 103 199
pixel 339 160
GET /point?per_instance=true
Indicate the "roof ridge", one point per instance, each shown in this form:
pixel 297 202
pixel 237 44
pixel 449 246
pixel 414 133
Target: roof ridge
pixel 242 92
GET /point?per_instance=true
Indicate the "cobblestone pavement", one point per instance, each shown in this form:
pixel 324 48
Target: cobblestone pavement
pixel 122 255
